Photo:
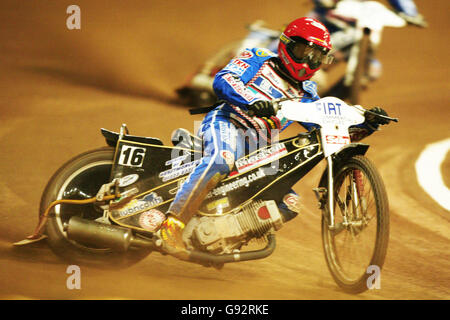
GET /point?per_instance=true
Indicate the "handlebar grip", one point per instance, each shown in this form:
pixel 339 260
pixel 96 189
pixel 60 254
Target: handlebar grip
pixel 379 116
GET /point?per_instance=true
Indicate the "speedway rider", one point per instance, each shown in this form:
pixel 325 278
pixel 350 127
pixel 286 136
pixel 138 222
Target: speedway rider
pixel 404 8
pixel 342 32
pixel 246 87
pixel 342 29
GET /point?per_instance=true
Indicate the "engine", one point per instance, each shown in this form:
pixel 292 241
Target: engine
pixel 226 233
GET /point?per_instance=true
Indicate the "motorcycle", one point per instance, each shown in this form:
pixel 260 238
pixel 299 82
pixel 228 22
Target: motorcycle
pixel 353 46
pixel 106 205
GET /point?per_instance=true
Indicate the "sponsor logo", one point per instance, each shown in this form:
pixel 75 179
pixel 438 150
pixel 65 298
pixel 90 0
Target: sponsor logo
pixel 241 64
pixel 178 170
pixel 176 162
pixel 266 86
pixel 128 180
pixel 237 66
pixel 292 202
pixel 236 184
pixel 151 220
pixel 285 59
pixel 228 157
pixel 269 74
pixel 332 139
pixel 284 39
pixel 245 55
pixel 261 53
pixel 332 113
pixel 262 157
pixel 329 108
pixel 138 205
pixel 238 87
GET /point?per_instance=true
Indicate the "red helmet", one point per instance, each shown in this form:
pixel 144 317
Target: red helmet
pixel 303 47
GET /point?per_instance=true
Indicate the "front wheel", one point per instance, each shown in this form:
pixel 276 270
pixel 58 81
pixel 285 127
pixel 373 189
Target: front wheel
pixel 81 178
pixel 355 249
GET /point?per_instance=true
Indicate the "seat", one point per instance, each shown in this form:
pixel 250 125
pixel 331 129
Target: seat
pixel 112 137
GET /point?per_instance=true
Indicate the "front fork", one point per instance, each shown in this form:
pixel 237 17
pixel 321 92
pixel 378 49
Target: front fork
pixel 359 201
pixel 357 190
pixel 323 193
pixel 330 193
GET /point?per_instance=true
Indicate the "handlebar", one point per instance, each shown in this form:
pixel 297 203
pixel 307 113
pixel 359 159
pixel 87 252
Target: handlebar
pixel 376 115
pixel 276 103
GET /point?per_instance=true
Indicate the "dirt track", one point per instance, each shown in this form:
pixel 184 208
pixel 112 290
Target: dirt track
pixel 59 87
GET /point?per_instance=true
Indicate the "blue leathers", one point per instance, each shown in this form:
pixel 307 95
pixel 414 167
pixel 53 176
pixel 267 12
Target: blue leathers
pixel 254 75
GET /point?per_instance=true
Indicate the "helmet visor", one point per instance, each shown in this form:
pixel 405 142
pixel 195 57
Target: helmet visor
pixel 309 53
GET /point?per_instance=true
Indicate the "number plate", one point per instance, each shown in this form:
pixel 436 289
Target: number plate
pixel 132 156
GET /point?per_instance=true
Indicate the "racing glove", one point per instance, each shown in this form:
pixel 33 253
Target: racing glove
pixel 374 120
pixel 261 108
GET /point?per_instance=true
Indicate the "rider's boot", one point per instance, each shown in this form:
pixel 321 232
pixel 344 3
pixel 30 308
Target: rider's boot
pixel 171 232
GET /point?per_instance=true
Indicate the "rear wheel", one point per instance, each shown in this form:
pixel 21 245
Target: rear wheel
pixel 355 250
pixel 81 178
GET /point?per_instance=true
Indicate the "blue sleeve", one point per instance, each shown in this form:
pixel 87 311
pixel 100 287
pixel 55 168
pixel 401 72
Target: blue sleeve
pixel 408 7
pixel 229 83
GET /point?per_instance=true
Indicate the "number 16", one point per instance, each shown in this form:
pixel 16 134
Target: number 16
pixel 132 156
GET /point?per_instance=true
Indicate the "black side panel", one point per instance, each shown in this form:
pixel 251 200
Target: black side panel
pixel 156 172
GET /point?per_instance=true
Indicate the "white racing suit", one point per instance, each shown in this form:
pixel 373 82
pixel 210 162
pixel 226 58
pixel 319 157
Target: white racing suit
pixel 253 75
pixel 342 29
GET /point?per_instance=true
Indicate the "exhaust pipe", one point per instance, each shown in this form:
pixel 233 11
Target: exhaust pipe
pixel 121 239
pixel 204 257
pixel 104 235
